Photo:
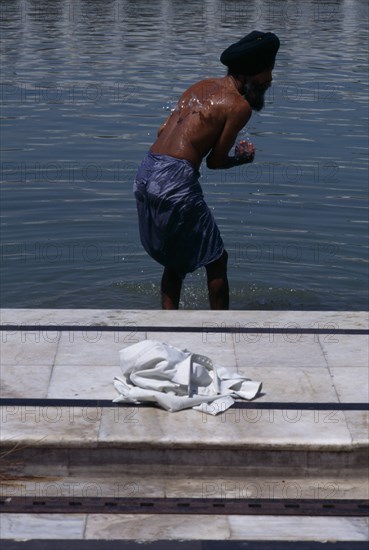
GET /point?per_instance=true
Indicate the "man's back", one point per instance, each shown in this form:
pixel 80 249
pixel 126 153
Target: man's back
pixel 194 127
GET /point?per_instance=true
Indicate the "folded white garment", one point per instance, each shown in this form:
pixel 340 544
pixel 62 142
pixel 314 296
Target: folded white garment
pixel 178 379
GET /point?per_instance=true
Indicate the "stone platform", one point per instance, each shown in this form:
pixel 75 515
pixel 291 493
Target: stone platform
pixel 304 437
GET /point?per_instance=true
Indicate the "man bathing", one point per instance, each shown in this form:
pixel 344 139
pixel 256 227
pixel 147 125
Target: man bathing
pixel 176 226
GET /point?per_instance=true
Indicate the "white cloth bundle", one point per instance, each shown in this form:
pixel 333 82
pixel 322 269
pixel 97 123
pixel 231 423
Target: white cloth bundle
pixel 178 379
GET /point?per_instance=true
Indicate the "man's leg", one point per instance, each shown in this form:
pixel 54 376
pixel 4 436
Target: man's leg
pixel 218 283
pixel 171 285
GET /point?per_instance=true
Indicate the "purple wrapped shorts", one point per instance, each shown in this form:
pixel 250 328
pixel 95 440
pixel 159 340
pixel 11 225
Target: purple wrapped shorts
pixel 177 228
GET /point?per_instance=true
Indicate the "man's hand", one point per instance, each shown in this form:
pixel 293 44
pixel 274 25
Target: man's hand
pixel 244 152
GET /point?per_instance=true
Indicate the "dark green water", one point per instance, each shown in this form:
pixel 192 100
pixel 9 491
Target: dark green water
pixel 85 85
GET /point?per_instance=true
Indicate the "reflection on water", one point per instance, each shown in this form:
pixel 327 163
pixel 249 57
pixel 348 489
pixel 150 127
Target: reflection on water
pixel 85 85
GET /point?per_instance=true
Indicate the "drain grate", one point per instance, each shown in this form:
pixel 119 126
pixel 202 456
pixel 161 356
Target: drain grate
pixel 61 505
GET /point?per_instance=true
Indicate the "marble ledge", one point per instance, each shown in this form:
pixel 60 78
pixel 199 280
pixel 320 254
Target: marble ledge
pixel 185 318
pixel 145 483
pixel 147 428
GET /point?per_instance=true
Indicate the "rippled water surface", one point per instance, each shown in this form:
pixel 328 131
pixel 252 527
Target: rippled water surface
pixel 85 85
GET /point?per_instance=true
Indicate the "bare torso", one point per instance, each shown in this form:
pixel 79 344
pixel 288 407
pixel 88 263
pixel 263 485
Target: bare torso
pixel 206 121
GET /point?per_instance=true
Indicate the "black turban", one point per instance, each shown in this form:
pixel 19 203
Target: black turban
pixel 252 54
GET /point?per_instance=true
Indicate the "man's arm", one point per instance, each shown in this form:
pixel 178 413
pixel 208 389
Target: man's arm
pixel 218 156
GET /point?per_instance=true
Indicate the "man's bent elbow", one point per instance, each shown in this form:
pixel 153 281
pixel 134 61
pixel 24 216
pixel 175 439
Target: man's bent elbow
pixel 216 164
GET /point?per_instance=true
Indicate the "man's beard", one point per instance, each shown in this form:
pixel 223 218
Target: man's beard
pixel 255 95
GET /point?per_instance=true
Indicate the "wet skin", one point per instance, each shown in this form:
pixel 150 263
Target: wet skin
pixel 207 120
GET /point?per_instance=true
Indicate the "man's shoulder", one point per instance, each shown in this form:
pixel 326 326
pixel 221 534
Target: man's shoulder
pixel 237 106
pixel 208 85
pixel 219 89
pixel 210 80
